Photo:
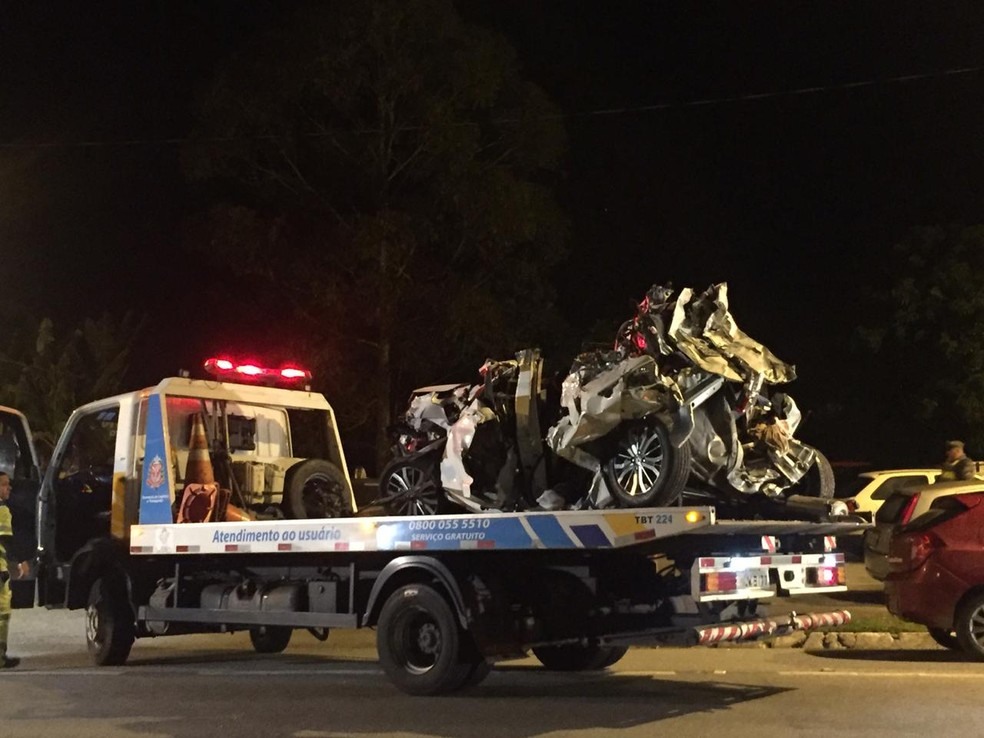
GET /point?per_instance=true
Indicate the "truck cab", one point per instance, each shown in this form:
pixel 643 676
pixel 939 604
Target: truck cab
pixel 185 450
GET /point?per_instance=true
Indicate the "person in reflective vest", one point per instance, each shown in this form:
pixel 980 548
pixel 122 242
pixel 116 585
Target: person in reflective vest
pixel 957 466
pixel 6 537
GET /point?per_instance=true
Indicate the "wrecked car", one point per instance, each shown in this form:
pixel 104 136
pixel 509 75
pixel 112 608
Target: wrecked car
pixel 685 403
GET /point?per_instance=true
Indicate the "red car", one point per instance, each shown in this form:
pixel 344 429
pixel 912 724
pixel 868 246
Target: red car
pixel 936 574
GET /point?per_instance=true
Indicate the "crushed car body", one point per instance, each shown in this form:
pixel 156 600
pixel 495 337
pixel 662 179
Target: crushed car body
pixel 684 400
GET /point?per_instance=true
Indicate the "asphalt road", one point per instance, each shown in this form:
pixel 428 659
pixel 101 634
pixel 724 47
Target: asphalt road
pixel 201 685
pixel 214 685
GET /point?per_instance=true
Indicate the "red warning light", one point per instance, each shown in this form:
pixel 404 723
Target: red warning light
pixel 251 370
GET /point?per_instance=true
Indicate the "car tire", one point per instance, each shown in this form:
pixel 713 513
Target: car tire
pixel 969 626
pixel 315 489
pixel 109 625
pixel 945 638
pixel 819 479
pixel 411 486
pixel 644 468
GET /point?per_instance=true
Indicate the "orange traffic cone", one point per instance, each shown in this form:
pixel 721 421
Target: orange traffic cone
pixel 199 469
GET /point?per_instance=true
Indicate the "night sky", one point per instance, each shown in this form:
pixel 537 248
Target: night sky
pixel 794 198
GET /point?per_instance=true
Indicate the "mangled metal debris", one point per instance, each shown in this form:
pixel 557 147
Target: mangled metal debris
pixel 684 398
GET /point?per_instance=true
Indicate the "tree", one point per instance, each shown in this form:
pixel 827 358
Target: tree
pixel 928 329
pixel 46 375
pixel 380 173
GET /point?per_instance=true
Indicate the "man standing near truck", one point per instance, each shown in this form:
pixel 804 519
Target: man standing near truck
pixel 6 536
pixel 957 466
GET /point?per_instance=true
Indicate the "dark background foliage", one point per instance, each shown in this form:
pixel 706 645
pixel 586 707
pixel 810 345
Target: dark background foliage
pixel 395 191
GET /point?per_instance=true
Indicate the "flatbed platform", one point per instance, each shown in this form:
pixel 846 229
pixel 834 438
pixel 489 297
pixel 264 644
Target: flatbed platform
pixel 560 530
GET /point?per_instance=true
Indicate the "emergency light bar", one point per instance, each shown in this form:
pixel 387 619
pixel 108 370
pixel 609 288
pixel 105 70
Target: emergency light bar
pixel 248 370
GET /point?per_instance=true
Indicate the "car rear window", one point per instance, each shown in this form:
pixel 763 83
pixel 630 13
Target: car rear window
pixel 939 511
pixel 851 489
pixel 892 486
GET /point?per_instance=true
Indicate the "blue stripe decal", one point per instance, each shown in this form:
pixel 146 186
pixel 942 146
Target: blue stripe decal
pixel 453 533
pixel 549 530
pixel 155 487
pixel 506 532
pixel 591 536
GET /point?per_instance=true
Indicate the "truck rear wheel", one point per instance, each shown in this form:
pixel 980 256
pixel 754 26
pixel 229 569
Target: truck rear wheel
pixel 315 489
pixel 270 638
pixel 109 627
pixel 579 658
pixel 645 469
pixel 421 645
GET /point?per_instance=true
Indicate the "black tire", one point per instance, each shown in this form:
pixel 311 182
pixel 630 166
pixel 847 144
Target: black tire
pixel 969 626
pixel 270 638
pixel 645 469
pixel 109 624
pixel 316 489
pixel 411 486
pixel 818 480
pixel 615 654
pixel 480 670
pixel 420 642
pixel 945 638
pixel 578 658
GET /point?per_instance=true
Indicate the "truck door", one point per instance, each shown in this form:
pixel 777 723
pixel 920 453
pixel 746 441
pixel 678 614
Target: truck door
pixel 76 497
pixel 19 460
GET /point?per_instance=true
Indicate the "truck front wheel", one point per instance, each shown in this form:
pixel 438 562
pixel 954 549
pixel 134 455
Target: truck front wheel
pixel 270 638
pixel 109 627
pixel 578 658
pixel 421 646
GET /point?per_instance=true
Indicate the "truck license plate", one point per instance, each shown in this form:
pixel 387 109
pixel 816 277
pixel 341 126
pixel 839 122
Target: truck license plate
pixel 757 579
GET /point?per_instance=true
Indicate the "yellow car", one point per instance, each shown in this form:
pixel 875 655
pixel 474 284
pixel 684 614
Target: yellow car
pixel 867 493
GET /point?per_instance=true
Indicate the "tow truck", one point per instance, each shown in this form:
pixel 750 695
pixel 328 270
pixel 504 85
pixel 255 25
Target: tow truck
pixel 225 504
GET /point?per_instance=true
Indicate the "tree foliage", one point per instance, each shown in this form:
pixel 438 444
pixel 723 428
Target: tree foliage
pixel 46 374
pixel 930 336
pixel 381 173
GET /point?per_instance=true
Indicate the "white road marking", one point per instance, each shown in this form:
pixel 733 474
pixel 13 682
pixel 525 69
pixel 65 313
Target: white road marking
pixel 168 670
pixel 236 670
pixel 883 674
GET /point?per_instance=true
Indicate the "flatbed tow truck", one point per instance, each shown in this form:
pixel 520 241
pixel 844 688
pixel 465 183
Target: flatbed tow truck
pixel 275 544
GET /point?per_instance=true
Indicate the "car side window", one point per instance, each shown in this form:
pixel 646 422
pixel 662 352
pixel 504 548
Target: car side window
pixel 15 454
pixel 92 444
pixel 83 482
pixel 894 484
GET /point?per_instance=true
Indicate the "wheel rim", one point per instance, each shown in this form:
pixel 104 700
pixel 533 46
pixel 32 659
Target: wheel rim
pixel 638 463
pixel 322 498
pixel 419 643
pixel 92 626
pixel 977 626
pixel 411 491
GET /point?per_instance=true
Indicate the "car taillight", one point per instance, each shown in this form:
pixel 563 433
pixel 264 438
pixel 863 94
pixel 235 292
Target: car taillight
pixel 719 581
pixel 826 576
pixel 910 551
pixel 907 512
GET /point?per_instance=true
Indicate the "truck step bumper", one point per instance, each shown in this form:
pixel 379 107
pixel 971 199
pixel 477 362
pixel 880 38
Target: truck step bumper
pixel 709 634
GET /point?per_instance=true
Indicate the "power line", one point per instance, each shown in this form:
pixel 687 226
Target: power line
pixel 756 96
pixel 600 112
